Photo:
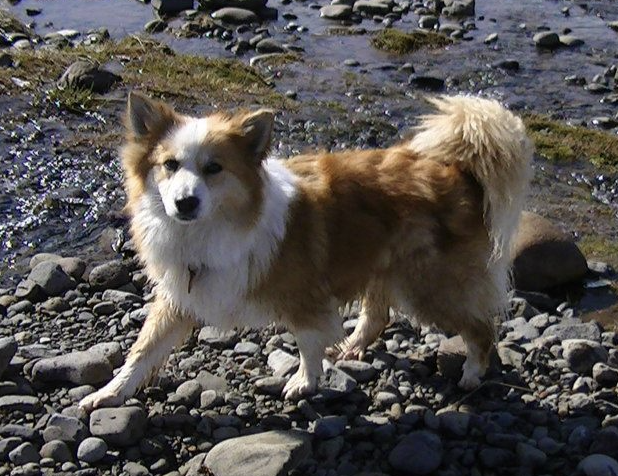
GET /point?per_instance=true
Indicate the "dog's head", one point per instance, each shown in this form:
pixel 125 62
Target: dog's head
pixel 196 167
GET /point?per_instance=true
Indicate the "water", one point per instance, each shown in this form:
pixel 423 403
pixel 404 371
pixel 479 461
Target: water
pixel 57 194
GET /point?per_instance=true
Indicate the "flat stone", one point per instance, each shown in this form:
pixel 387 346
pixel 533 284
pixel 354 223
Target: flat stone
pixel 336 12
pixel 79 368
pixel 268 45
pixel 118 426
pixel 274 453
pixel 564 331
pixel 372 7
pixel 429 83
pixel 22 403
pixel 216 338
pixel 270 385
pixel 247 348
pixel 357 369
pixel 235 15
pixel 570 40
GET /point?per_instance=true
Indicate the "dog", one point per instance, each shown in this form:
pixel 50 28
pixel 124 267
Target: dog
pixel 232 237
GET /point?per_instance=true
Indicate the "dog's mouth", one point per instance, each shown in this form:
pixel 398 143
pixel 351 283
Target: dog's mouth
pixel 185 217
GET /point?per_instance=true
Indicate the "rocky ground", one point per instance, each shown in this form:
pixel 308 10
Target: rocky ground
pixel 549 404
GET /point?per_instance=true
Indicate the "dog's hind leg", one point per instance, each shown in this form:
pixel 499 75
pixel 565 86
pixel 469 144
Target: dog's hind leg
pixel 372 320
pixel 479 339
pixel 164 328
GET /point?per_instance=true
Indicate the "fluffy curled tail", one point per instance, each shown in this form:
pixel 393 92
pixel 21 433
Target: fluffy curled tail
pixel 491 143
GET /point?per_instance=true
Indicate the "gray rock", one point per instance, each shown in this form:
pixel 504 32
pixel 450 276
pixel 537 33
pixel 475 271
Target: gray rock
pixel 91 450
pixel 386 399
pixel 110 275
pixel 7 445
pixel 65 428
pixel 357 369
pixel 74 267
pixel 529 456
pixel 155 26
pixel 235 15
pixel 458 8
pixel 247 348
pixel 428 83
pixel 135 469
pixel 27 289
pixel 282 363
pixel 582 354
pixel 268 45
pixel 118 426
pixel 22 403
pixel 79 368
pixel 172 6
pixel 210 399
pixel 451 356
pixel 605 375
pixel 109 350
pixel 546 39
pixel 57 450
pixel 274 453
pixel 270 385
pixel 455 424
pixel 51 278
pixel 495 457
pixel 329 426
pixel 209 381
pixel 336 12
pixel 217 339
pixel 570 40
pixel 336 380
pixel 253 5
pixel 187 393
pixel 598 465
pixel 574 330
pixel 23 454
pixel 372 7
pixel 491 38
pixel 417 443
pixel 8 347
pixel 121 297
pixel 428 22
pixel 86 75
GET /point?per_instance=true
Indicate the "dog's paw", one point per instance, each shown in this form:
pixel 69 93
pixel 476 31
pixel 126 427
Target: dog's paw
pixel 346 351
pixel 469 381
pixel 298 386
pixel 101 398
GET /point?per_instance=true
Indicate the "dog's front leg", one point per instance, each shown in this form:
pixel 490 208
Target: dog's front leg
pixel 311 345
pixel 165 327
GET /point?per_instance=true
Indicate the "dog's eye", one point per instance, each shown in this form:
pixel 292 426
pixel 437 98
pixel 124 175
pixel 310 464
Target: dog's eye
pixel 212 168
pixel 171 165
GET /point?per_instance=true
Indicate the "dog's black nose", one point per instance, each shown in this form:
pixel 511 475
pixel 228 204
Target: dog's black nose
pixel 187 205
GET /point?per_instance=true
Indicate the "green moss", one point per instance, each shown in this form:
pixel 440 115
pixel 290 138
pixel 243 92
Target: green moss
pixel 397 41
pixel 149 66
pixel 599 247
pixel 8 23
pixel 558 141
pixel 72 100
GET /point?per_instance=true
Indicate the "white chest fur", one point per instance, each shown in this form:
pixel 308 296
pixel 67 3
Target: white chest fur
pixel 227 263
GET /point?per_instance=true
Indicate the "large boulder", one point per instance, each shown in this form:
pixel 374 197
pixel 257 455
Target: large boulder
pixel 544 256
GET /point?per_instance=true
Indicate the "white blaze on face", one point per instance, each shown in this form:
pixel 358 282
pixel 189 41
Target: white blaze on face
pixel 187 181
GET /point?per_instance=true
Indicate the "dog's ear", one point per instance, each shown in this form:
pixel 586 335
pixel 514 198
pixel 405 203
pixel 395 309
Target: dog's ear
pixel 257 129
pixel 146 117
